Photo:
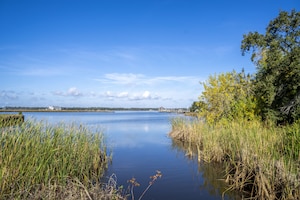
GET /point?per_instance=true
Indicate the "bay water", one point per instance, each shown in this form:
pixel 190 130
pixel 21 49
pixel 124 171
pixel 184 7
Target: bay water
pixel 139 143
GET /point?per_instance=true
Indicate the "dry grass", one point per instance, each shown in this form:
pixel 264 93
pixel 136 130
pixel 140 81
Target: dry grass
pixel 259 159
pixel 74 190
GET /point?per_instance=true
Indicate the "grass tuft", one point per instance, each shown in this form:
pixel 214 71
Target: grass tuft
pixel 261 160
pixel 11 119
pixel 36 157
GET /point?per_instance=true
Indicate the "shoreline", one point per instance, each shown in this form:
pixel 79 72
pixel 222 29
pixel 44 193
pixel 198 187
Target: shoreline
pixel 92 110
pixel 252 168
pixel 38 110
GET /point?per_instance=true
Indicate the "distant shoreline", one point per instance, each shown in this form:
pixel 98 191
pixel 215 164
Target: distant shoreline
pixel 91 109
pixel 37 110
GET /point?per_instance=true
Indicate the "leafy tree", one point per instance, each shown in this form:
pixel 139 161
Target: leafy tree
pixel 277 57
pixel 228 96
pixel 197 106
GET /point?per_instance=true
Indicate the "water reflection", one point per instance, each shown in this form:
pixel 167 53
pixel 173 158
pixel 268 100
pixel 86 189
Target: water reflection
pixel 140 145
pixel 212 173
pixel 121 128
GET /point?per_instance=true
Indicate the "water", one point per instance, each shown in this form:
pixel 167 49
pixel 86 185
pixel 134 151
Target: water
pixel 140 145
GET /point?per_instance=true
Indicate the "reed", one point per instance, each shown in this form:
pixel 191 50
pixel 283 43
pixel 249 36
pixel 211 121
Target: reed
pixel 11 119
pixel 260 160
pixel 35 157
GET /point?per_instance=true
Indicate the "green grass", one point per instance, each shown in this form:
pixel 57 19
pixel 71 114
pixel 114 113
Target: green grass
pixel 11 119
pixel 37 159
pixel 260 160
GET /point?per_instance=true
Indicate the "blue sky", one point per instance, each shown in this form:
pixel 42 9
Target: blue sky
pixel 123 53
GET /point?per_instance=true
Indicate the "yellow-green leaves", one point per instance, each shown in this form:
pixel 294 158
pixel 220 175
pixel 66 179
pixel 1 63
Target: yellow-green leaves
pixel 227 96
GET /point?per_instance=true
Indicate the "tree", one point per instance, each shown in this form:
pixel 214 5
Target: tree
pixel 197 106
pixel 277 57
pixel 228 96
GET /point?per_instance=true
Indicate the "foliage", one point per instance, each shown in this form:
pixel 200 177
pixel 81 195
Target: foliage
pixel 197 106
pixel 228 96
pixel 261 158
pixel 277 56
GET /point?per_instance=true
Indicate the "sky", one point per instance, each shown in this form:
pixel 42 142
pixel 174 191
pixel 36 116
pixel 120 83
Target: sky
pixel 123 53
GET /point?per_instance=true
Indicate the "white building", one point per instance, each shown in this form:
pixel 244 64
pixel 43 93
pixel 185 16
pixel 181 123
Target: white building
pixel 54 108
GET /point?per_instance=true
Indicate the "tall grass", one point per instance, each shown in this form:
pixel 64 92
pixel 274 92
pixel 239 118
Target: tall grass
pixel 11 119
pixel 35 157
pixel 261 160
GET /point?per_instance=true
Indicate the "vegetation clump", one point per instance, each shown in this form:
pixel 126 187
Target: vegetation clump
pixel 11 119
pixel 261 161
pixel 251 122
pixel 41 161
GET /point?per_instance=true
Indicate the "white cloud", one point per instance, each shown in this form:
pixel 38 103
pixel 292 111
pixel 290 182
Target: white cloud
pixel 123 94
pixel 73 91
pixel 146 95
pixel 146 90
pixel 108 94
pixel 134 96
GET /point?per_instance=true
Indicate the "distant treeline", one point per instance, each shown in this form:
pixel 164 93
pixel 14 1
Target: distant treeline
pixel 17 109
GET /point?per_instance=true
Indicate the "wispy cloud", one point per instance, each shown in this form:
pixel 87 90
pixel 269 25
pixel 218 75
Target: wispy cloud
pixel 39 71
pixel 223 50
pixel 123 79
pixel 140 79
pixel 113 54
pixel 123 94
pixel 8 95
pixel 75 66
pixel 32 66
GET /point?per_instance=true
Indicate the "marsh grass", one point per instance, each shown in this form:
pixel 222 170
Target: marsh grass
pixel 11 119
pixel 262 160
pixel 38 159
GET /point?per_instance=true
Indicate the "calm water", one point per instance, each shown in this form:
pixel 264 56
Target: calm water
pixel 140 146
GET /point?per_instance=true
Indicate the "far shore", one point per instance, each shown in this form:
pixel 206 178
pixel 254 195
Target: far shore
pixel 48 110
pixel 92 109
